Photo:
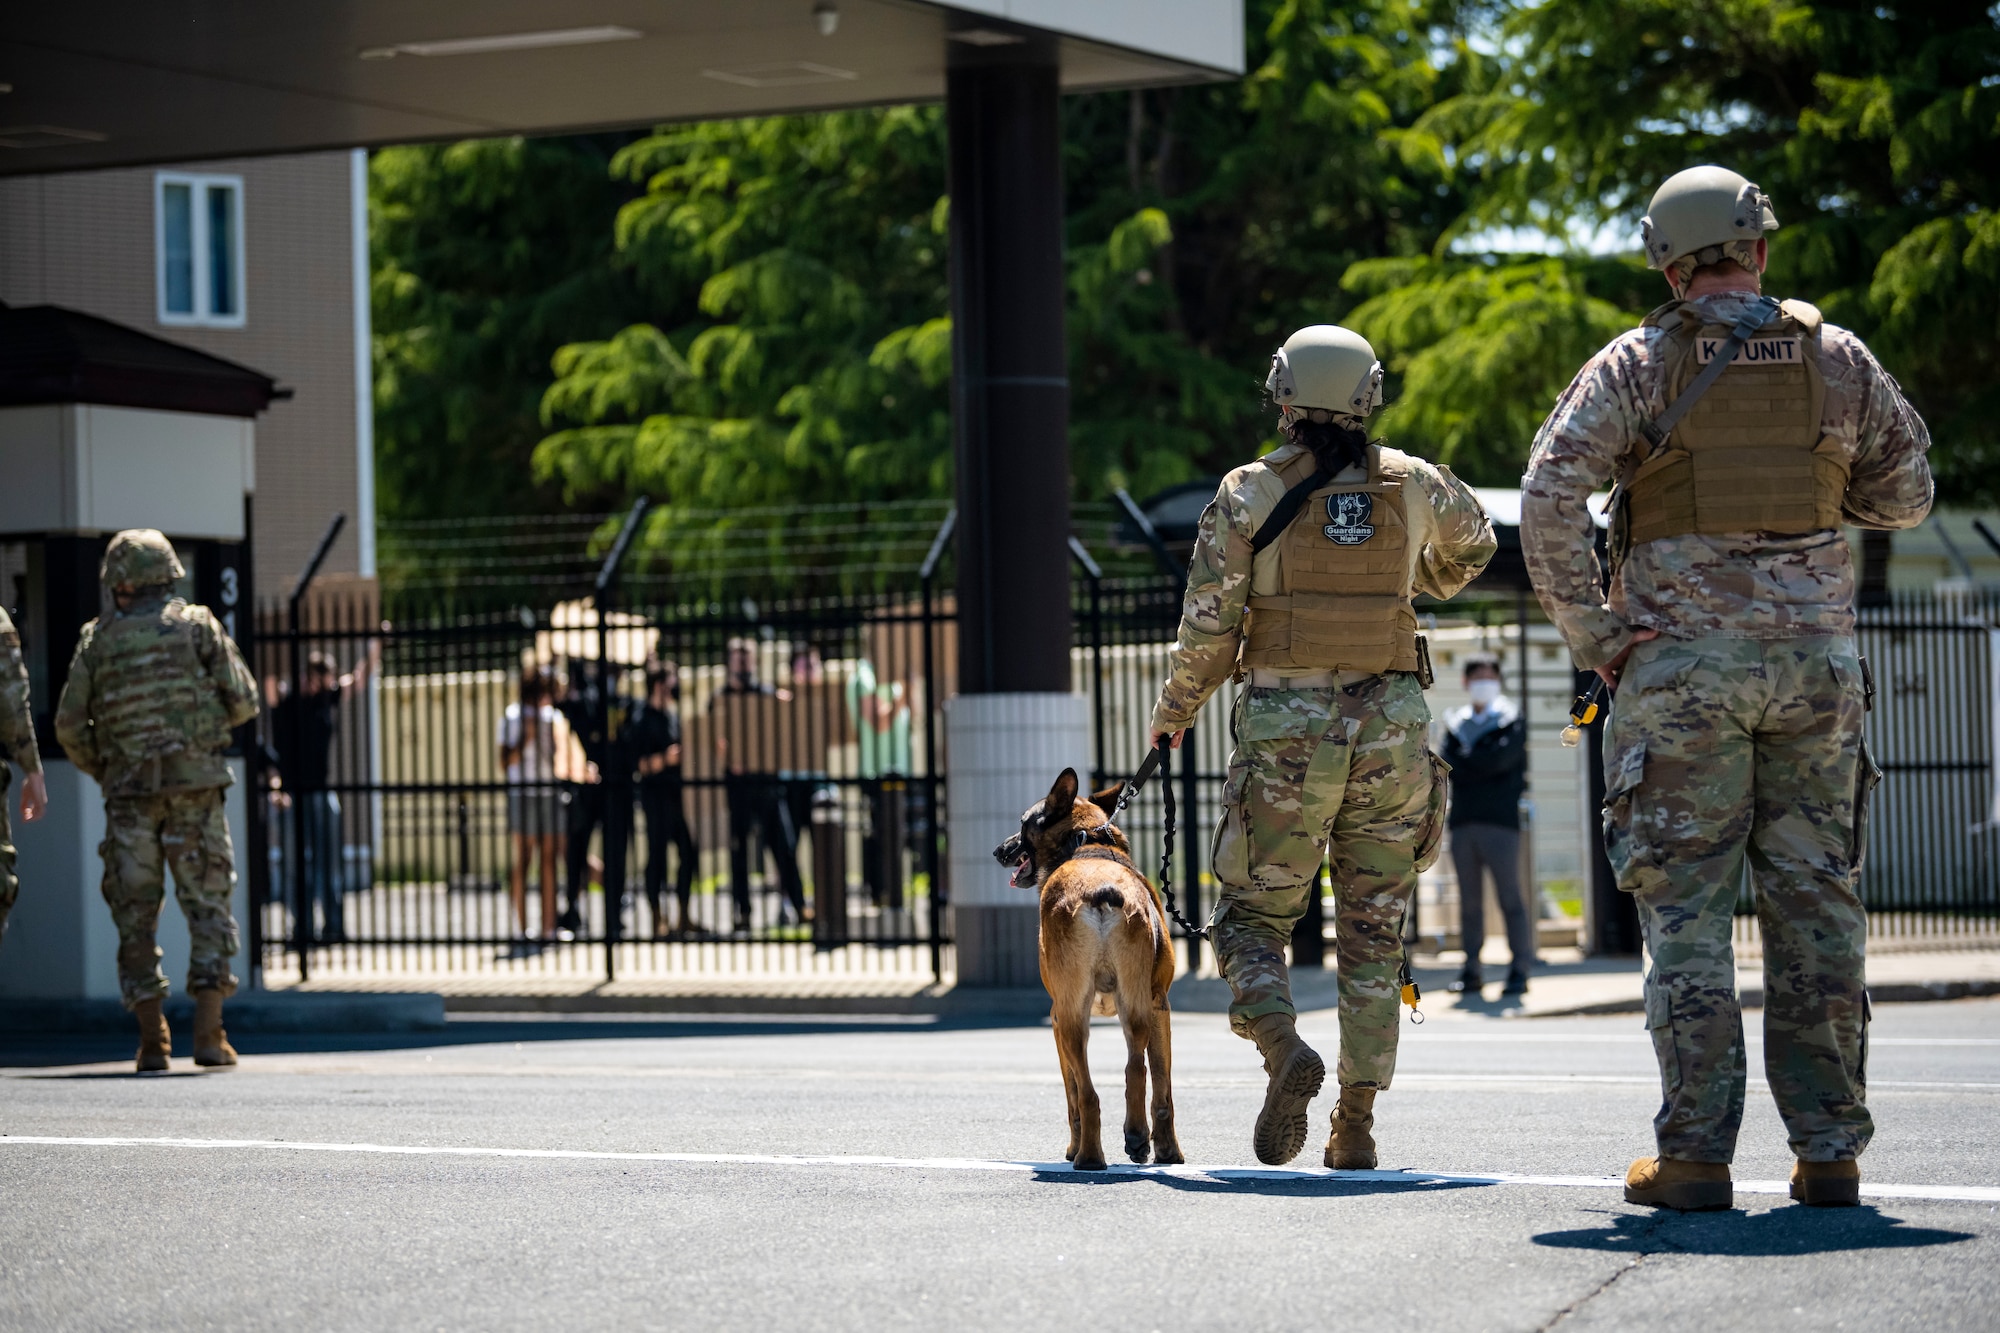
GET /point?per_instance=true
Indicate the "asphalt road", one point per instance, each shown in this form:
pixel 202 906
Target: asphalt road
pixel 640 1192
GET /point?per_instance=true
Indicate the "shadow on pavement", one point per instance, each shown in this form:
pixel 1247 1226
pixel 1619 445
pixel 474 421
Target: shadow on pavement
pixel 1782 1230
pixel 22 1051
pixel 1304 1187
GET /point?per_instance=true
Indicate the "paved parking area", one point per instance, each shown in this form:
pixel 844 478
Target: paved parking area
pixel 901 1173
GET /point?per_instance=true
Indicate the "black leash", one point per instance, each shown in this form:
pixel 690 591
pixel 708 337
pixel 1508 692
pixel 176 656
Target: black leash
pixel 1155 760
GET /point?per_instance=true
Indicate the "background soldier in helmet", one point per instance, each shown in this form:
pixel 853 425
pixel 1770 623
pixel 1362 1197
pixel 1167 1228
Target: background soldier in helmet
pixel 1741 433
pixel 152 694
pixel 1301 580
pixel 17 742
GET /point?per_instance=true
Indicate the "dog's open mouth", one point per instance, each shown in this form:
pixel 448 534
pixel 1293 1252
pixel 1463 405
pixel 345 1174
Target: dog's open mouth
pixel 1023 868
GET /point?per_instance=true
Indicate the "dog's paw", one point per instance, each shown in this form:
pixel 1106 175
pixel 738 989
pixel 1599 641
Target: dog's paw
pixel 1138 1147
pixel 1089 1162
pixel 1168 1155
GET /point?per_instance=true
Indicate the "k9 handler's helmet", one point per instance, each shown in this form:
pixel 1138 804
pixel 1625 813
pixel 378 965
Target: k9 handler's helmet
pixel 1704 215
pixel 140 558
pixel 1325 368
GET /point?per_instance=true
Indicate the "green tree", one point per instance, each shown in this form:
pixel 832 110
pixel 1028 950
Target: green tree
pixel 488 255
pixel 1874 128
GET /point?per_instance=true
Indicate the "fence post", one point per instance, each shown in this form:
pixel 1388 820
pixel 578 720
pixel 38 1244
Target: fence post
pixel 1093 575
pixel 932 711
pixel 302 907
pixel 604 597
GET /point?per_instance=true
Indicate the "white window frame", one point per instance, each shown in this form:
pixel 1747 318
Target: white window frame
pixel 198 185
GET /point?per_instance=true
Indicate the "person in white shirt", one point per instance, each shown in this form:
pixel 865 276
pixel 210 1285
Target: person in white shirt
pixel 529 744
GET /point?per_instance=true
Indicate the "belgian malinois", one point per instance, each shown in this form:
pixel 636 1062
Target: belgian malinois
pixel 1104 945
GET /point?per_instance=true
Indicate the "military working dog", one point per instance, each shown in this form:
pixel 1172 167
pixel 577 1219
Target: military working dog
pixel 1104 945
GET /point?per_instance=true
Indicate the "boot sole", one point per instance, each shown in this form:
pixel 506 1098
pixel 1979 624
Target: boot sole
pixel 1687 1196
pixel 1828 1193
pixel 1282 1124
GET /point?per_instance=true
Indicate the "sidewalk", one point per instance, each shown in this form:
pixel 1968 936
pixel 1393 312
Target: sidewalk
pixel 1568 983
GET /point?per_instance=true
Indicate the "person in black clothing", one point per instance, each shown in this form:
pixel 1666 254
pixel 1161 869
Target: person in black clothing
pixel 302 730
pixel 600 717
pixel 748 718
pixel 656 740
pixel 1486 744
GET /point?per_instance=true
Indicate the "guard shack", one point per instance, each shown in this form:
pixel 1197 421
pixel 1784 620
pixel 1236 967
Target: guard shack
pixel 103 428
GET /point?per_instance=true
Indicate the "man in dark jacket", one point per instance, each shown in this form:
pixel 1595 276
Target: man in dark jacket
pixel 1486 744
pixel 656 733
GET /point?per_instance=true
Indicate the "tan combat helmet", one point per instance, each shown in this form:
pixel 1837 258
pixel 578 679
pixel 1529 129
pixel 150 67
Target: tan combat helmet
pixel 1704 215
pixel 1325 368
pixel 140 558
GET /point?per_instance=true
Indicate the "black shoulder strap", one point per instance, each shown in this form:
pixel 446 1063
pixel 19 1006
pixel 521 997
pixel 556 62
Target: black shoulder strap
pixel 1288 509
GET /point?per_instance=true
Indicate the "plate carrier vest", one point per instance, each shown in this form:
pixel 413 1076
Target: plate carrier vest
pixel 1749 455
pixel 1342 605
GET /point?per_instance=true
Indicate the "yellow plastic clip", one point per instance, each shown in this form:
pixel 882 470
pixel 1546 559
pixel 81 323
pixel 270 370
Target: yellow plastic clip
pixel 1581 714
pixel 1412 992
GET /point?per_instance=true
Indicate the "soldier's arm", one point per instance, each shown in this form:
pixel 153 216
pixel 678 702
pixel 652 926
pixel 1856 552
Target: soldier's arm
pixel 1218 588
pixel 1889 483
pixel 227 670
pixel 1461 534
pixel 17 724
pixel 1575 453
pixel 73 729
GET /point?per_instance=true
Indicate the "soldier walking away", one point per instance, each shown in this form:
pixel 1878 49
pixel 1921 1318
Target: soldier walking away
pixel 1741 433
pixel 153 692
pixel 1300 583
pixel 17 742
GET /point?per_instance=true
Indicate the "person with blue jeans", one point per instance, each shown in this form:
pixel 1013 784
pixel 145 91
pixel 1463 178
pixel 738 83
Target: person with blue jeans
pixel 302 727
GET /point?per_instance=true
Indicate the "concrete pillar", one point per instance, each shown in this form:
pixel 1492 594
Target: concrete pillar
pixel 1015 724
pixel 1006 750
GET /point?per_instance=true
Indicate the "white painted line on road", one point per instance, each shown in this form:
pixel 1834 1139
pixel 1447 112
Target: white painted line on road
pixel 1218 1174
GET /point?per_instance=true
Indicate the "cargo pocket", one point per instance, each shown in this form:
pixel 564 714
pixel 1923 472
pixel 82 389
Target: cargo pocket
pixel 1430 837
pixel 1627 840
pixel 1660 1026
pixel 1867 776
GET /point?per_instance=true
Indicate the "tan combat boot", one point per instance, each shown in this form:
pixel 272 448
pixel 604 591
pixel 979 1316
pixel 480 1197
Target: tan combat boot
pixel 1296 1072
pixel 1827 1184
pixel 1351 1147
pixel 1689 1187
pixel 211 1043
pixel 155 1041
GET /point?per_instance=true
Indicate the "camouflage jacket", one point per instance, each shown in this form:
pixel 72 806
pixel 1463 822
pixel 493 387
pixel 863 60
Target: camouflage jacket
pixel 17 725
pixel 151 697
pixel 1747 585
pixel 1450 542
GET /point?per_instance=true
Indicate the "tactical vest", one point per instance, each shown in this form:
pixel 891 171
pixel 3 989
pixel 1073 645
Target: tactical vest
pixel 1749 456
pixel 152 700
pixel 1343 599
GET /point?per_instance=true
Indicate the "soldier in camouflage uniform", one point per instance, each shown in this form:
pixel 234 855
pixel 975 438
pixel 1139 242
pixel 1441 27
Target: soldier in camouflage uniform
pixel 152 694
pixel 17 742
pixel 1728 627
pixel 1301 581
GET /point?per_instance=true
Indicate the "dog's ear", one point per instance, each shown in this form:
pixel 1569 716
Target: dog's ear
pixel 1107 798
pixel 1062 796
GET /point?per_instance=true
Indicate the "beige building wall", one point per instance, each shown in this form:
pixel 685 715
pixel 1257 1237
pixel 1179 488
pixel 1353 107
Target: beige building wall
pixel 86 240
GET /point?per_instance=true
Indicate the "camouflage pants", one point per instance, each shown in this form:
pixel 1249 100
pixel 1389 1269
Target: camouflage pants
pixel 10 884
pixel 143 836
pixel 1721 751
pixel 1346 771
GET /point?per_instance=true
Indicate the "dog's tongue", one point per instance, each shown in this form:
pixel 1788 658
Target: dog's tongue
pixel 1020 870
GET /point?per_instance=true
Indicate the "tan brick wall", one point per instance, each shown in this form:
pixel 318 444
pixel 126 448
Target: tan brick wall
pixel 85 240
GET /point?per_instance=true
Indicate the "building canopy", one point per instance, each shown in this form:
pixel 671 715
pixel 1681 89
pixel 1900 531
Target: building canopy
pixel 130 82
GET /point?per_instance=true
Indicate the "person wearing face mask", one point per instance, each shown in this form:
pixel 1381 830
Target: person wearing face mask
pixel 1486 744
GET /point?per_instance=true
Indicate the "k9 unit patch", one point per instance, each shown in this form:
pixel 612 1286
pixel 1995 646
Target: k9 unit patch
pixel 1350 512
pixel 1755 352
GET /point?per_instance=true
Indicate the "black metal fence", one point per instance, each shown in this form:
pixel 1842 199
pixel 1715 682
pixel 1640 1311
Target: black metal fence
pixel 428 809
pixel 812 779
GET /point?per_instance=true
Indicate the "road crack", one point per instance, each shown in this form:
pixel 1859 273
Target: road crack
pixel 1650 1245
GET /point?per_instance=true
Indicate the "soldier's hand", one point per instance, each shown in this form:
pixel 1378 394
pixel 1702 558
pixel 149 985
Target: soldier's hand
pixel 1170 738
pixel 34 798
pixel 1611 670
